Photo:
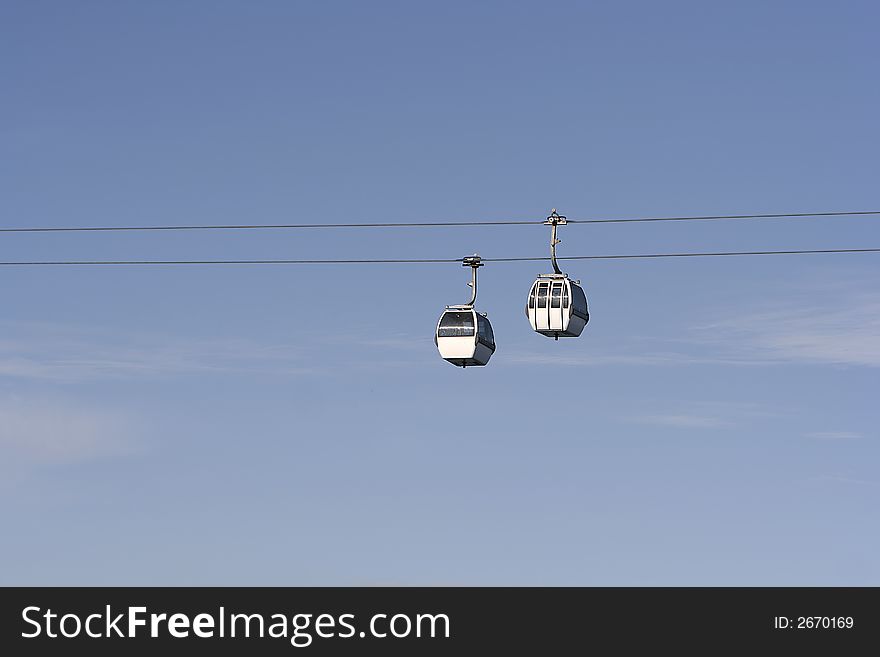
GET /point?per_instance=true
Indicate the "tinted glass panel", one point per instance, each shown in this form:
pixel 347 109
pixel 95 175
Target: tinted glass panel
pixel 454 324
pixel 565 297
pixel 578 300
pixel 556 295
pixel 542 295
pixel 532 298
pixel 485 330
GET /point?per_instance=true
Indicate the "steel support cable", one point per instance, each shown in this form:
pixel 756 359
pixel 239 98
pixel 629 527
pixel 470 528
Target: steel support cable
pixel 394 261
pixel 424 224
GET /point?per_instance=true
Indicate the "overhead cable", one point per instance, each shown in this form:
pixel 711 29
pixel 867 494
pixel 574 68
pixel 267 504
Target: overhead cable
pixel 426 224
pixel 407 261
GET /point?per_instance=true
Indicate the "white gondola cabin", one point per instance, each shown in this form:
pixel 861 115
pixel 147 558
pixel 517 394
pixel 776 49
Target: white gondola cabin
pixel 557 305
pixel 464 336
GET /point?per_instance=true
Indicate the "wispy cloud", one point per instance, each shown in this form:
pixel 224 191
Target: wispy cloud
pixel 398 341
pixel 67 355
pixel 844 329
pixel 596 357
pixel 684 421
pixel 707 415
pixel 51 431
pixel 841 330
pixel 833 435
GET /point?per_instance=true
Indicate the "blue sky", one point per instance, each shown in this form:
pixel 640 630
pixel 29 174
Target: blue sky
pixel 715 424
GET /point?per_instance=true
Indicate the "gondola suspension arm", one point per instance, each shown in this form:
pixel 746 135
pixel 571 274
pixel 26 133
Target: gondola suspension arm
pixel 553 221
pixel 474 262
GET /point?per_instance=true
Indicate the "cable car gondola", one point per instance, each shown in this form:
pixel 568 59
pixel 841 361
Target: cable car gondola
pixel 464 336
pixel 557 305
